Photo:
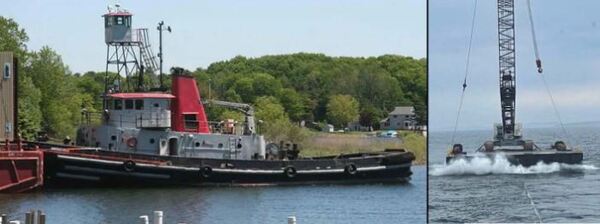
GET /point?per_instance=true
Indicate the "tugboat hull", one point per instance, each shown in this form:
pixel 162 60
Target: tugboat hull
pixel 529 158
pixel 99 168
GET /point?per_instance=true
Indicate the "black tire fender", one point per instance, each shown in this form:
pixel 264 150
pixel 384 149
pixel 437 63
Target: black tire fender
pixel 290 171
pixel 350 169
pixel 206 171
pixel 129 166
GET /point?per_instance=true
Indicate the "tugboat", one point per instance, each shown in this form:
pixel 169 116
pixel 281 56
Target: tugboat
pixel 508 139
pixel 164 138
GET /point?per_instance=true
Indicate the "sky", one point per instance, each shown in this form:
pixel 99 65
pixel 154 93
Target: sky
pixel 209 31
pixel 568 34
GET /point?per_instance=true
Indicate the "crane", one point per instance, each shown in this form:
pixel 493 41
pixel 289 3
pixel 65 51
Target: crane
pixel 507 69
pixel 247 109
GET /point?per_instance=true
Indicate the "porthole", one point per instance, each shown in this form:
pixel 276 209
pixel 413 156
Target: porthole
pixel 151 141
pixel 197 144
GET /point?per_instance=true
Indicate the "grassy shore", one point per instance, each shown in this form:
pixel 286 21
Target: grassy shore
pixel 322 144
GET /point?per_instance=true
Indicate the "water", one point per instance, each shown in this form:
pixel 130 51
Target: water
pixel 368 203
pixel 482 191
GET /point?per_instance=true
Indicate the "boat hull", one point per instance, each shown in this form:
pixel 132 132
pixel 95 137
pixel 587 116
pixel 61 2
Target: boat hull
pixel 104 168
pixel 529 158
pixel 21 171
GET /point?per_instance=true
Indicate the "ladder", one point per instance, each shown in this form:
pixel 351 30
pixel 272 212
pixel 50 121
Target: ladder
pixel 147 55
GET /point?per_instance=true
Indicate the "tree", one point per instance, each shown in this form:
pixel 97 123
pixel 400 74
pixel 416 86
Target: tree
pixel 61 102
pixel 293 103
pixel 269 110
pixel 13 38
pixel 342 109
pixel 369 117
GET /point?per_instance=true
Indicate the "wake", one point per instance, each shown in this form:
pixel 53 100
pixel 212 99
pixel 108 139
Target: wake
pixel 483 165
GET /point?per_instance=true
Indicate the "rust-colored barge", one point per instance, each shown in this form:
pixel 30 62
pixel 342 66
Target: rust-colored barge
pixel 20 169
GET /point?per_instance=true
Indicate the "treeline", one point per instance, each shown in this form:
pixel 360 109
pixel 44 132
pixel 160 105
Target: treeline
pixel 316 87
pixel 285 89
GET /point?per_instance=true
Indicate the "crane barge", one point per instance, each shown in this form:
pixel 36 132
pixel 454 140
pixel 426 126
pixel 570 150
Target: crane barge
pixel 508 140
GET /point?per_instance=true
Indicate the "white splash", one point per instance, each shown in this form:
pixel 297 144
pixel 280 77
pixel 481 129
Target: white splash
pixel 482 165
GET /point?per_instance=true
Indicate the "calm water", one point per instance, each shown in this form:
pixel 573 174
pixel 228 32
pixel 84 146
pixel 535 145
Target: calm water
pixel 369 203
pixel 481 192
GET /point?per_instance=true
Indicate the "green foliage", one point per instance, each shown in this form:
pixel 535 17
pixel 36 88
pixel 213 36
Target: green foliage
pixel 13 38
pixel 269 110
pixel 303 82
pixel 369 117
pixel 61 101
pixel 30 115
pixel 231 114
pixel 342 109
pixel 284 130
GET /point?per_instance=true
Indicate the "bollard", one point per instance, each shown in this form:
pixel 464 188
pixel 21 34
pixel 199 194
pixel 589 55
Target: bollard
pixel 29 218
pixel 4 219
pixel 144 219
pixel 158 217
pixel 292 220
pixel 41 218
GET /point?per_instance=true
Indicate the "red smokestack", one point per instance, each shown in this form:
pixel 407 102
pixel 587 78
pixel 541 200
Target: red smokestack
pixel 187 109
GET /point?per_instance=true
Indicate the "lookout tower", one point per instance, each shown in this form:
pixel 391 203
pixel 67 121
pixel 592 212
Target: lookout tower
pixel 117 26
pixel 128 51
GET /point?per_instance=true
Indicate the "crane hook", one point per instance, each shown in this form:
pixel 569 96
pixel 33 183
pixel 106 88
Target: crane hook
pixel 538 62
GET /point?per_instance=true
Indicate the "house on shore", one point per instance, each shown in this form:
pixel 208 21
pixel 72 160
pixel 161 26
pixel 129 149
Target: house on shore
pixel 401 118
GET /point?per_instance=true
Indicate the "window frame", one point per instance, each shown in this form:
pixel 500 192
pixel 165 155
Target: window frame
pixel 118 104
pixel 139 104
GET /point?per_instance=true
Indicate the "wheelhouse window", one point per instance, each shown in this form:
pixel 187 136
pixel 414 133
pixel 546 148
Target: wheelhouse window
pixel 118 104
pixel 119 20
pixel 190 122
pixel 139 104
pixel 129 104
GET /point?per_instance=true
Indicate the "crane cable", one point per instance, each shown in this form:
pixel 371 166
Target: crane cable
pixel 464 85
pixel 538 62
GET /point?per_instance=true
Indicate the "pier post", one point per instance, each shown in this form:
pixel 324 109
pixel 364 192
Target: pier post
pixel 29 218
pixel 158 217
pixel 292 219
pixel 144 219
pixel 41 219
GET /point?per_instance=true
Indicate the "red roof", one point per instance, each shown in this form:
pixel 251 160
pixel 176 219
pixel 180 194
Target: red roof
pixel 141 95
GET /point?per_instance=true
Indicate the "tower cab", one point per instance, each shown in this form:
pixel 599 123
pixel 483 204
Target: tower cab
pixel 117 26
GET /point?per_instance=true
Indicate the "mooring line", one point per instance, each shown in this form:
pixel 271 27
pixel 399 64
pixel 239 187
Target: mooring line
pixel 532 203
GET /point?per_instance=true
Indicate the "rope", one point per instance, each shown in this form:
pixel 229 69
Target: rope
pixel 537 213
pixel 562 126
pixel 464 85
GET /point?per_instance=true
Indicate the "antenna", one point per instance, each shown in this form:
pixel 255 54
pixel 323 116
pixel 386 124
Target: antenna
pixel 160 51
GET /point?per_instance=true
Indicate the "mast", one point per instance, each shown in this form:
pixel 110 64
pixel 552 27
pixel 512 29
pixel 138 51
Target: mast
pixel 506 43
